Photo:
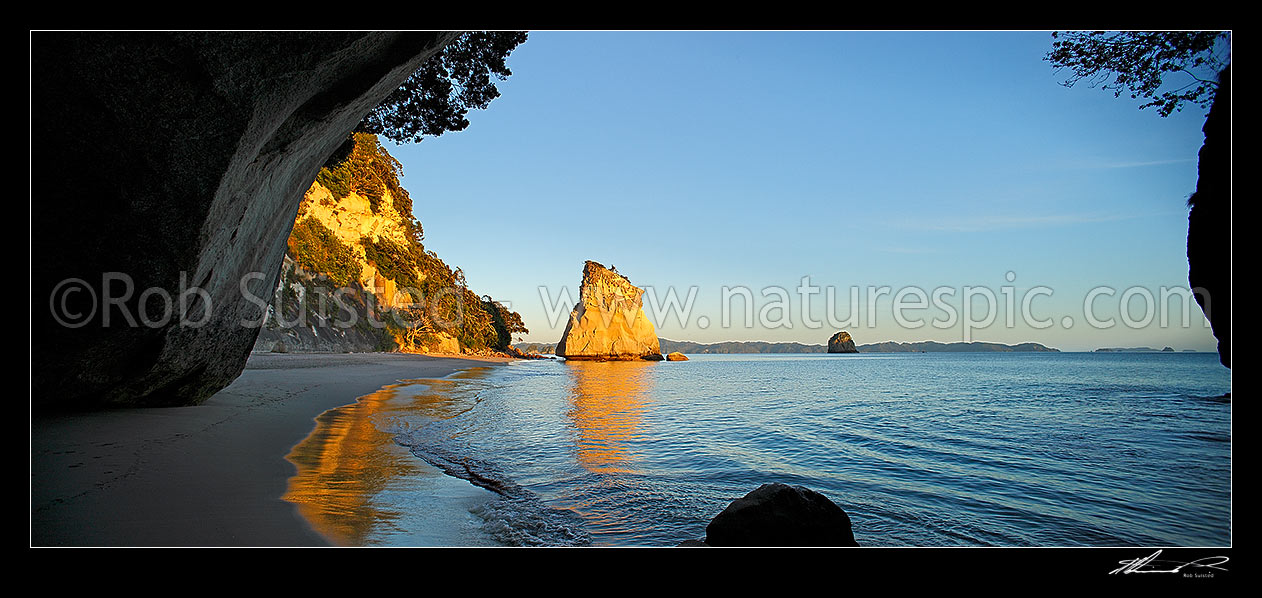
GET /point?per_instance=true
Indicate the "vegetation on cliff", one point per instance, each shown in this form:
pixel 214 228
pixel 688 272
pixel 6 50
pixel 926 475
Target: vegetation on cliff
pixel 363 236
pixel 369 171
pixel 317 249
pixel 355 229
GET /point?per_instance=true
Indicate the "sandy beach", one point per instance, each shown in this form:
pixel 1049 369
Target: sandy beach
pixel 206 475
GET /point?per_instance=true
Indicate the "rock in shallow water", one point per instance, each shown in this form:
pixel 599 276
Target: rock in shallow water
pixel 841 343
pixel 781 515
pixel 676 356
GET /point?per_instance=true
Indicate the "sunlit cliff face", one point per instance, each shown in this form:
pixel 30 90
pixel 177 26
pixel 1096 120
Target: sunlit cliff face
pixel 609 321
pixel 608 400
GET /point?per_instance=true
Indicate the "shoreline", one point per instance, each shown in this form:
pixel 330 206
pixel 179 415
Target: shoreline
pixel 207 475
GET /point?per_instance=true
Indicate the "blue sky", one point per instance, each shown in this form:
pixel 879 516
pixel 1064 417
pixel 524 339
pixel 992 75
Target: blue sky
pixel 858 159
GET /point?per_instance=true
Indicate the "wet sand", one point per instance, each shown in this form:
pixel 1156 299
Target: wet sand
pixel 206 475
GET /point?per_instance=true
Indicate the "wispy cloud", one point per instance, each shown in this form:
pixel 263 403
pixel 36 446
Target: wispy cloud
pixel 905 250
pixel 1140 164
pixel 996 223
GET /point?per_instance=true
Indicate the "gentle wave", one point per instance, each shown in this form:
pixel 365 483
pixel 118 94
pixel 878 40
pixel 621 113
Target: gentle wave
pixel 921 450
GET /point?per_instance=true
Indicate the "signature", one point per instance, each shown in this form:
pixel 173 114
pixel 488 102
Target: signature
pixel 1150 564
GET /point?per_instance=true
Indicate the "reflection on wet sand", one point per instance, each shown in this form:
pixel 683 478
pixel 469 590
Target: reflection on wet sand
pixel 607 403
pixel 351 457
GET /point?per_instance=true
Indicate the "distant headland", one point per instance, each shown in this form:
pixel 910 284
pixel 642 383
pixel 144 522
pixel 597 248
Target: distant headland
pixel 733 347
pixel 1140 350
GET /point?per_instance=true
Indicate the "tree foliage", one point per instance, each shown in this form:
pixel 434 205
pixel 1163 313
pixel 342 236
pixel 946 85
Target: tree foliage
pixel 317 249
pixel 368 171
pixel 504 321
pixel 448 304
pixel 436 98
pixel 1140 62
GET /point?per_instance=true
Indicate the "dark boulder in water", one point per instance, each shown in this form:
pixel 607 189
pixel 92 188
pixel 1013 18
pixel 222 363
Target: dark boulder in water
pixel 692 544
pixel 781 515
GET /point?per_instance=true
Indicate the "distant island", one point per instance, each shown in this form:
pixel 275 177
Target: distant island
pixel 687 347
pixel 1139 350
pixel 936 347
pixel 729 347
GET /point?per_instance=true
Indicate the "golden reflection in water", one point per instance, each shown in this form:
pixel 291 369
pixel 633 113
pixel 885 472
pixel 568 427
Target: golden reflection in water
pixel 347 460
pixel 607 403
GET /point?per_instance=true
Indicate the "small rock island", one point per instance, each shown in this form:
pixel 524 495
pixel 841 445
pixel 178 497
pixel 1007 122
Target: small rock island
pixel 841 343
pixel 608 323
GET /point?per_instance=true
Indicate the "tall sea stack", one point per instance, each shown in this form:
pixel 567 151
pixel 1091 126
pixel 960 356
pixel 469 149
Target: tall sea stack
pixel 608 323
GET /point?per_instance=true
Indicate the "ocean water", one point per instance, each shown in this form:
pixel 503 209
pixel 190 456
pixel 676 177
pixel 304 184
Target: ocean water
pixel 945 449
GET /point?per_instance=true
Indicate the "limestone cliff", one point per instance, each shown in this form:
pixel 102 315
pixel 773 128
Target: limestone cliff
pixel 178 160
pixel 608 322
pixel 357 276
pixel 841 343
